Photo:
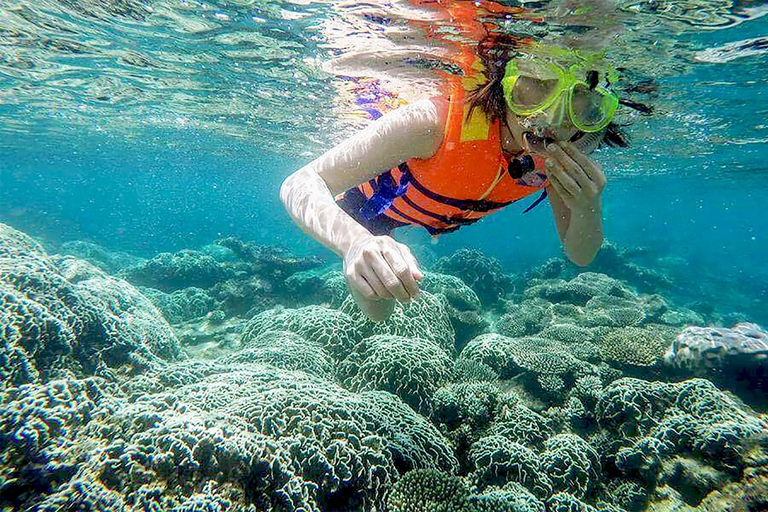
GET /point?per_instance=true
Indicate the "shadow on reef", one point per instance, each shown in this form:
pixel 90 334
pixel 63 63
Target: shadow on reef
pixel 244 378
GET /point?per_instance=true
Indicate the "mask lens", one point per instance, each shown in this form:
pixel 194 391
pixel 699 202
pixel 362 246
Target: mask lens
pixel 530 92
pixel 591 108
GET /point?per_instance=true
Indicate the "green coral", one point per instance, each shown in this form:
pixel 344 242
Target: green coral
pixel 518 423
pixel 334 330
pixel 434 491
pixel 181 305
pixel 286 350
pixel 483 274
pixel 425 317
pixel 473 403
pixel 468 370
pixel 250 435
pixel 654 421
pixel 525 319
pixel 636 346
pixel 497 460
pixel 572 465
pixel 411 368
pixel 551 364
pixel 578 290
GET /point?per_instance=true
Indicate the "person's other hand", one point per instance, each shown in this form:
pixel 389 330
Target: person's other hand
pixel 378 267
pixel 577 179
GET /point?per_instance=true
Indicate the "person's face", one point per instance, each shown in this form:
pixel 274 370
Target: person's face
pixel 531 132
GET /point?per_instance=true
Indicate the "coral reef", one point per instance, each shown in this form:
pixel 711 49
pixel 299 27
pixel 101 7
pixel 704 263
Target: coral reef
pixel 62 315
pixel 411 368
pixel 425 317
pixel 555 391
pixel 483 274
pixel 181 305
pixel 98 256
pixel 173 271
pixel 334 330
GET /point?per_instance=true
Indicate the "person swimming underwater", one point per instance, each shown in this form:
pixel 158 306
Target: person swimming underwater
pixel 521 125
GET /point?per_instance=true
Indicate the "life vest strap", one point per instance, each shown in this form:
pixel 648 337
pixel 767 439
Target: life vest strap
pixel 538 200
pixel 385 190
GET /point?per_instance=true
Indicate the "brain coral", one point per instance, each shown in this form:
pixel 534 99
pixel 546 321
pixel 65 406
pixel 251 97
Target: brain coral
pixel 425 317
pixel 435 491
pixel 572 464
pixel 578 290
pixel 286 350
pixel 64 314
pixel 636 346
pixel 411 368
pixel 552 364
pixel 240 436
pixel 334 330
pixel 483 274
pixel 181 305
pixel 497 460
pixel 655 421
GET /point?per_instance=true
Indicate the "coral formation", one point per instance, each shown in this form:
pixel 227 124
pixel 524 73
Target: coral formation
pixel 411 368
pixel 334 330
pixel 173 271
pixel 286 398
pixel 63 314
pixel 483 274
pixel 425 317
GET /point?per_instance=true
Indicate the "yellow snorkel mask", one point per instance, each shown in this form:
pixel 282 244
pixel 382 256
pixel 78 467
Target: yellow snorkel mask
pixel 536 85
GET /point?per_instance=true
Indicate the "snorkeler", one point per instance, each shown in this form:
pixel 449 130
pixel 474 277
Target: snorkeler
pixel 520 125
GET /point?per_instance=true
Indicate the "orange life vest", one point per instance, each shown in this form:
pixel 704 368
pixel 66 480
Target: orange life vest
pixel 465 180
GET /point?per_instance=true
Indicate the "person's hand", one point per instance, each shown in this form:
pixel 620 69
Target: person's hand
pixel 378 267
pixel 577 179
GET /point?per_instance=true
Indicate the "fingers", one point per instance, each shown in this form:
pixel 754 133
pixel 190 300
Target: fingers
pixel 403 271
pixel 381 268
pixel 557 172
pixel 562 192
pixel 358 283
pixel 388 277
pixel 571 166
pixel 593 170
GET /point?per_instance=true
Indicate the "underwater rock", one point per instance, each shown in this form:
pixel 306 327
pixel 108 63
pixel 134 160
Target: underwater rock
pixel 173 271
pixel 482 274
pixel 62 315
pixel 275 264
pixel 702 349
pixel 106 260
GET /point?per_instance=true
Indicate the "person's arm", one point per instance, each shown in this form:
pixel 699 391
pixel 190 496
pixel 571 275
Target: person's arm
pixel 576 183
pixel 376 267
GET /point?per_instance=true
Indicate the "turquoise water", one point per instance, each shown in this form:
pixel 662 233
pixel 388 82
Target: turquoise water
pixel 165 126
